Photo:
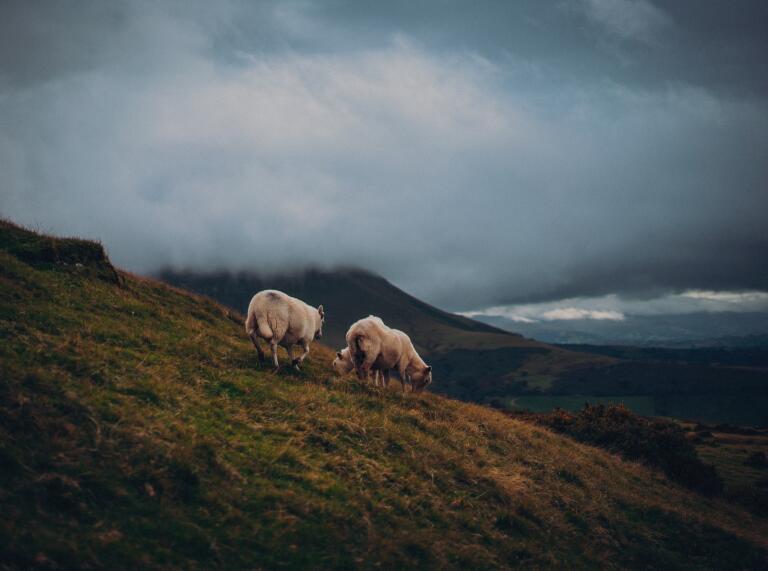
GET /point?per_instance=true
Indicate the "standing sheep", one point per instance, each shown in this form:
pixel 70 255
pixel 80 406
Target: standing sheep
pixel 280 319
pixel 374 345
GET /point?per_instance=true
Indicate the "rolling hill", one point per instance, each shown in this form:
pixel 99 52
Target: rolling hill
pixel 348 294
pixel 472 360
pixel 136 431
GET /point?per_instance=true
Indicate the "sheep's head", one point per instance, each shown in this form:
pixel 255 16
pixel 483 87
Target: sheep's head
pixel 320 321
pixel 421 378
pixel 342 364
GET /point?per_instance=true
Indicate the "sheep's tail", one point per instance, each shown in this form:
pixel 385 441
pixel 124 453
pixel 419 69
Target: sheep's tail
pixel 250 323
pixel 359 352
pixel 258 326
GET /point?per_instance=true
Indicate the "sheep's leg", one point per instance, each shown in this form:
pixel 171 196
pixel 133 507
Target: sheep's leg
pixel 363 373
pixel 362 365
pixel 300 359
pixel 401 370
pixel 385 378
pixel 259 350
pixel 294 362
pixel 273 345
pixel 361 370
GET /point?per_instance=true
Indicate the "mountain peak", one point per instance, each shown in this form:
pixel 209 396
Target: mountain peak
pixel 347 293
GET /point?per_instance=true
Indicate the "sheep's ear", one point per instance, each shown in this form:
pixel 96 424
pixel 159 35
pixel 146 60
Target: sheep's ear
pixel 320 310
pixel 428 370
pixel 339 355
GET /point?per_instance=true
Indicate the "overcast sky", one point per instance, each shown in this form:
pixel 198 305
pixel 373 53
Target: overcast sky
pixel 475 153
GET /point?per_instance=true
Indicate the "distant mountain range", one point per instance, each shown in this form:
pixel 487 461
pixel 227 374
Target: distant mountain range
pixel 703 329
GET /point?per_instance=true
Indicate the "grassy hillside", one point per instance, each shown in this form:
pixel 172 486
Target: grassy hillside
pixel 740 457
pixel 137 432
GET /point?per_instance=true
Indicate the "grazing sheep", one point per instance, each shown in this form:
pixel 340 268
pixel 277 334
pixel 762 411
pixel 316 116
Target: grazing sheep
pixel 280 319
pixel 372 345
pixel 343 365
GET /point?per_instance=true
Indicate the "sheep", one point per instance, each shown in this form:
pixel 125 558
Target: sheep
pixel 343 365
pixel 280 319
pixel 372 344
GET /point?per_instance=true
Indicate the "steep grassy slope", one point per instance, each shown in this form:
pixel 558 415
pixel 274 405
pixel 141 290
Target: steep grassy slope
pixel 137 432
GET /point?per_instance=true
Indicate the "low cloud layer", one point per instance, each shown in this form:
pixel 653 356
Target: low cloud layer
pixel 615 308
pixel 637 20
pixel 274 137
pixel 571 313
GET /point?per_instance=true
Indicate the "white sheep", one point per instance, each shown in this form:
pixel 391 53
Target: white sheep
pixel 373 345
pixel 343 365
pixel 283 320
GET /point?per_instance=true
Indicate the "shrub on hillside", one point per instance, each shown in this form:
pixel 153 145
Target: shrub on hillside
pixel 757 460
pixel 753 498
pixel 656 442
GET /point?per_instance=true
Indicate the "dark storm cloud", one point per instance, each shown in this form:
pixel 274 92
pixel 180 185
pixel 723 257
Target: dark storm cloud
pixel 476 154
pixel 633 41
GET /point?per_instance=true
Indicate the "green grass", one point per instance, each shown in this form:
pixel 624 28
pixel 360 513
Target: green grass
pixel 729 452
pixel 137 431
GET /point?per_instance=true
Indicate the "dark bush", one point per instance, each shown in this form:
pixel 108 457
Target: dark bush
pixel 703 431
pixel 730 429
pixel 655 442
pixel 753 498
pixel 757 460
